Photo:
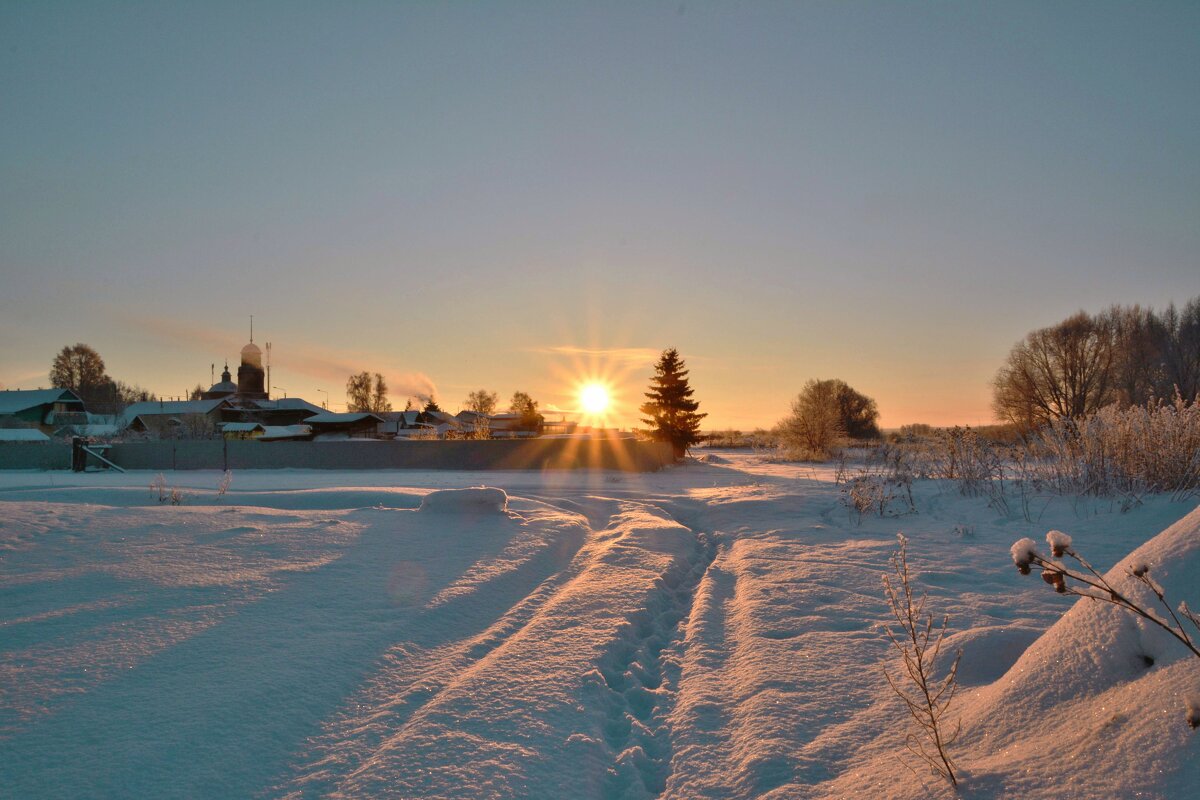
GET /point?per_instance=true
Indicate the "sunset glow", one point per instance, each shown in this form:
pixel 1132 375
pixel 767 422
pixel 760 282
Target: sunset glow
pixel 594 399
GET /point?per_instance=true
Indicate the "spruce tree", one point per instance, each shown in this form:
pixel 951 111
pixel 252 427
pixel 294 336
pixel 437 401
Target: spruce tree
pixel 671 410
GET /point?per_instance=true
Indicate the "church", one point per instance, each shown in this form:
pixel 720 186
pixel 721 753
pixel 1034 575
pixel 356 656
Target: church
pixel 251 379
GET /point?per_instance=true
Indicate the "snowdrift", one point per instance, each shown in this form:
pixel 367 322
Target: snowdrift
pixel 1095 707
pixel 478 499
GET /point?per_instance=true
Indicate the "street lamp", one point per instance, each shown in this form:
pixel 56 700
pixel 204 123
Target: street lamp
pixel 276 388
pixel 326 404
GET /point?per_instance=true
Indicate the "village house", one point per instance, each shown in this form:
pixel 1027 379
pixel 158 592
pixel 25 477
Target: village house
pixel 44 409
pixel 329 425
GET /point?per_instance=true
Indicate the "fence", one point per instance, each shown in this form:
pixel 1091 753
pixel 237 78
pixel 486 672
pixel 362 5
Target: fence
pixel 616 454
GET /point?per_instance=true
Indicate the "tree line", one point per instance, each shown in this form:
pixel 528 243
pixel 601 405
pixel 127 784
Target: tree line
pixel 1128 355
pixel 368 392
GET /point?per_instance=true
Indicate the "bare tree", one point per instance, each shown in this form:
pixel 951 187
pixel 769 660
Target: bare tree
pixel 481 401
pixel 1181 350
pixel 379 400
pixel 368 393
pixel 1064 371
pixel 78 368
pixel 1137 340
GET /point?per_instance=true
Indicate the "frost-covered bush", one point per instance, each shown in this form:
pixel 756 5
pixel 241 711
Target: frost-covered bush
pixel 883 486
pixel 814 428
pixel 1086 581
pixel 1151 448
pixel 158 488
pixel 1116 452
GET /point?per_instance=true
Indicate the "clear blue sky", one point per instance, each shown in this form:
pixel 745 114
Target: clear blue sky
pixel 506 196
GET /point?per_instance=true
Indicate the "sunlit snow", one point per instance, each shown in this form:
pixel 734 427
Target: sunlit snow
pixel 707 631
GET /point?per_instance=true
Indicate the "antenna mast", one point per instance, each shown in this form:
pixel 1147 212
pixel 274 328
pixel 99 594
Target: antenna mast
pixel 268 369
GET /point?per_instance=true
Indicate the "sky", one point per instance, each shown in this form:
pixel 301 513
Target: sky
pixel 522 196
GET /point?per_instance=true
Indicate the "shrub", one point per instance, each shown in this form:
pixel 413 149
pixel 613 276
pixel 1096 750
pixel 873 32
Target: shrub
pixel 919 643
pixel 1151 448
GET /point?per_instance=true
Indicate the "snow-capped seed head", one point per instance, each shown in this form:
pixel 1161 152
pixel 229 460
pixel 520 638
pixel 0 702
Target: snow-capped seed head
pixel 1055 579
pixel 1023 553
pixel 1139 569
pixel 1059 543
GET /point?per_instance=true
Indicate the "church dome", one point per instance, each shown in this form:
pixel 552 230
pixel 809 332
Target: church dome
pixel 251 355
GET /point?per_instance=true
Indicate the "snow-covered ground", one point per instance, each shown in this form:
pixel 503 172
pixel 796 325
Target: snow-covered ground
pixel 707 631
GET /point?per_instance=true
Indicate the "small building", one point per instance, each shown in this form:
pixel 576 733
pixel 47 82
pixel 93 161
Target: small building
pixel 399 424
pixel 242 430
pixel 175 419
pixel 284 411
pixel 47 409
pixel 286 433
pixel 471 422
pixel 359 425
pixel 508 426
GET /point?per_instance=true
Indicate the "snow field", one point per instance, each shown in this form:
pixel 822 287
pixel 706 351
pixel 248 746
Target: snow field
pixel 708 631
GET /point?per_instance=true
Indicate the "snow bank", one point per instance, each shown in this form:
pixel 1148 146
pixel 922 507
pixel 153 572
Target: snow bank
pixel 474 500
pixel 1096 707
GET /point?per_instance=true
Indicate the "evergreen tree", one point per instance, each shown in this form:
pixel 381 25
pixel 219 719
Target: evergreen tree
pixel 431 405
pixel 671 410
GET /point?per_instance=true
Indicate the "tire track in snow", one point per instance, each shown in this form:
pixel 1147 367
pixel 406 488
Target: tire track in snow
pixel 414 673
pixel 529 718
pixel 411 676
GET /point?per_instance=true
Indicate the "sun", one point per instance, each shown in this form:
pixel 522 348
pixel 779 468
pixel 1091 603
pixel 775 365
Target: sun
pixel 594 399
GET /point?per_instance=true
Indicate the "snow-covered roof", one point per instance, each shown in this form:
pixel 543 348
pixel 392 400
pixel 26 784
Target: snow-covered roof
pixel 225 387
pixel 153 408
pixel 14 401
pixel 443 417
pixel 22 435
pixel 90 429
pixel 286 404
pixel 241 427
pixel 285 432
pixel 330 418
